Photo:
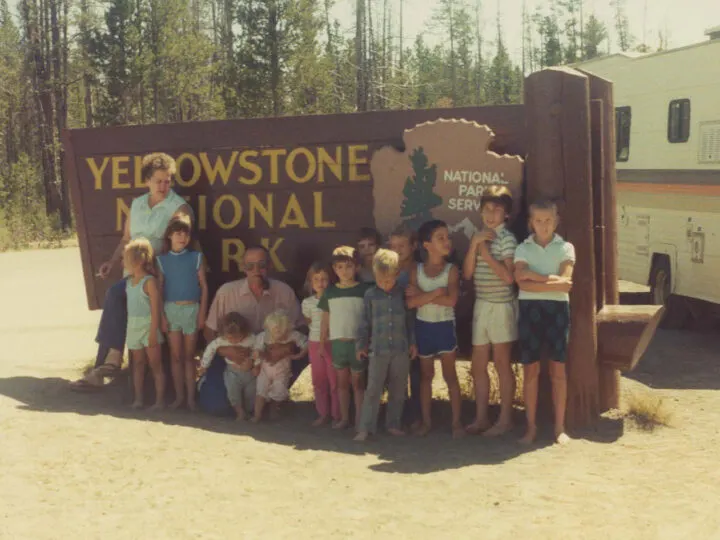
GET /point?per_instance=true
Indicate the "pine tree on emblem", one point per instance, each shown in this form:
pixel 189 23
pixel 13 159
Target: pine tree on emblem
pixel 418 191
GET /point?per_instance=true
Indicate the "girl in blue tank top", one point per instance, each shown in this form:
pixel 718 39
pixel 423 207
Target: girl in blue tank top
pixel 185 294
pixel 433 291
pixel 143 327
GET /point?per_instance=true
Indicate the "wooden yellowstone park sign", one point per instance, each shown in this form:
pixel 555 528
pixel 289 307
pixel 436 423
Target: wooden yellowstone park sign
pixel 298 186
pixel 301 186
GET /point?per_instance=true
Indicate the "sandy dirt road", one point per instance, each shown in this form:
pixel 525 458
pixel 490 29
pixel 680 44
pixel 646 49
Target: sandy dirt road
pixel 85 466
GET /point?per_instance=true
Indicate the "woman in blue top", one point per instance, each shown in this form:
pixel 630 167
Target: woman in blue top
pixel 149 218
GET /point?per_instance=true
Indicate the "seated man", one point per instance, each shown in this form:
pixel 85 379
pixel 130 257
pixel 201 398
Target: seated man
pixel 254 297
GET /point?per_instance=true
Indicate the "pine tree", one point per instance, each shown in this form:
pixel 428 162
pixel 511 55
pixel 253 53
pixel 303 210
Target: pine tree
pixel 420 198
pixel 594 35
pixel 622 25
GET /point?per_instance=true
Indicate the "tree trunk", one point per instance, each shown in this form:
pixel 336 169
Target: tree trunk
pixel 274 38
pixel 371 58
pixel 360 64
pixel 34 20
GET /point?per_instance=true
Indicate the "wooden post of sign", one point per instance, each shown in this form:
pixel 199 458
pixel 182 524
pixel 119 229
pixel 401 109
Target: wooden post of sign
pixel 557 102
pixel 601 89
pixel 598 191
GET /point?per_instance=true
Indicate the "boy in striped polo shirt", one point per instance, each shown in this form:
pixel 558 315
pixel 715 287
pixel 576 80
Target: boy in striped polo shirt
pixel 489 262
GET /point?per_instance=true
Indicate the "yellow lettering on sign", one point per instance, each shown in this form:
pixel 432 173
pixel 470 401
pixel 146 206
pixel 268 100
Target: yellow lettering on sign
pixel 139 182
pixel 293 215
pixel 196 170
pixel 274 259
pixel 257 207
pixel 122 211
pixel 355 160
pixel 290 165
pixel 274 154
pixel 232 250
pixel 97 171
pixel 119 170
pixel 250 166
pixel 319 222
pixel 325 160
pixel 202 212
pixel 219 167
pixel 236 210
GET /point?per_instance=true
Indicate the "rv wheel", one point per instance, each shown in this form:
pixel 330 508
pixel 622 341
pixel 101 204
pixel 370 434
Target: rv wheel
pixel 677 314
pixel 660 280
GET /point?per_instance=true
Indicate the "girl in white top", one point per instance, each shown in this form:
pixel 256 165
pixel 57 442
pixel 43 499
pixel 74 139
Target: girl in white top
pixel 433 291
pixel 324 378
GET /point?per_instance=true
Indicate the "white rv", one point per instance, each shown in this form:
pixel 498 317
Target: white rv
pixel 667 115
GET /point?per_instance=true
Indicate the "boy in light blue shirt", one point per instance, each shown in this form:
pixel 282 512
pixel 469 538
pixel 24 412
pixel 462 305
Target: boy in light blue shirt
pixel 543 271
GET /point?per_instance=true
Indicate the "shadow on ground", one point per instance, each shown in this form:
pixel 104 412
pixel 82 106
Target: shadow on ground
pixel 680 360
pixel 409 455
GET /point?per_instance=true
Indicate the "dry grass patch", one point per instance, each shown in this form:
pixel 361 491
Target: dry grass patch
pixel 647 411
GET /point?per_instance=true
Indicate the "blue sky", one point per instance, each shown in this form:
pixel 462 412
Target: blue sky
pixel 684 20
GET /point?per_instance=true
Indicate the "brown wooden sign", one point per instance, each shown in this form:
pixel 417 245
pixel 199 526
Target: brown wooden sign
pixel 299 186
pixel 442 173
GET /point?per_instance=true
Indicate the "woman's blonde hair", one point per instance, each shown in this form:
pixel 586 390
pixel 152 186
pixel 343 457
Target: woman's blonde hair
pixel 141 250
pixel 157 161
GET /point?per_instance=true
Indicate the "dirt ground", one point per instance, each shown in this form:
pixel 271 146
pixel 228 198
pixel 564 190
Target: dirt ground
pixel 85 466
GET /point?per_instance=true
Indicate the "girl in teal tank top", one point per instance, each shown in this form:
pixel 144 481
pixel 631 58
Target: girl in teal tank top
pixel 144 315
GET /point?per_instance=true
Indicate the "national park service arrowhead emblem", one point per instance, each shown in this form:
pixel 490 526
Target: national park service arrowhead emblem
pixel 443 172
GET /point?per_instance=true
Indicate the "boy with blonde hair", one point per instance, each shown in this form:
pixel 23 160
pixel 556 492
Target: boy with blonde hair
pixel 543 269
pixel 387 337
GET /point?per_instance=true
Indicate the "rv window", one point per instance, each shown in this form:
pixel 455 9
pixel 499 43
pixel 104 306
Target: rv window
pixel 622 133
pixel 679 121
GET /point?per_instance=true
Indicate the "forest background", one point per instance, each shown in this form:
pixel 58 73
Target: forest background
pixel 84 63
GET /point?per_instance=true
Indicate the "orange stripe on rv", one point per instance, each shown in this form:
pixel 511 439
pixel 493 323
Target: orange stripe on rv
pixel 669 189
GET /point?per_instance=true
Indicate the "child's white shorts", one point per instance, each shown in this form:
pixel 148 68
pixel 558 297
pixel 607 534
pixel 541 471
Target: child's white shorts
pixel 494 322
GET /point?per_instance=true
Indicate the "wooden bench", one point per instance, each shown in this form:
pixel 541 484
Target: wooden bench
pixel 624 333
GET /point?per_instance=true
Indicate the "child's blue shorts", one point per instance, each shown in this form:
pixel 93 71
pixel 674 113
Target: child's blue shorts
pixel 543 322
pixel 182 317
pixel 435 338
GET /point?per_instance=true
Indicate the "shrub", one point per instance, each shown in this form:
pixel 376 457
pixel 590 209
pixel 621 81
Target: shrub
pixel 647 411
pixel 23 218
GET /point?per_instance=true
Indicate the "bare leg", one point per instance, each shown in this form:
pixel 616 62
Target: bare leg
pixel 531 374
pixel 450 375
pixel 259 407
pixel 155 360
pixel 138 366
pixel 501 356
pixel 177 361
pixel 240 411
pixel 190 343
pixel 559 393
pixel 427 373
pixel 343 380
pixel 358 386
pixel 481 381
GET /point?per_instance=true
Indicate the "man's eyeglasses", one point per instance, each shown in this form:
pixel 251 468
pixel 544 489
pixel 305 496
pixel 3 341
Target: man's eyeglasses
pixel 260 265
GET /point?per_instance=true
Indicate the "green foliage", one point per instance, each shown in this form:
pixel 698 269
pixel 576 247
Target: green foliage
pixel 23 219
pixel 595 35
pixel 420 198
pixel 150 61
